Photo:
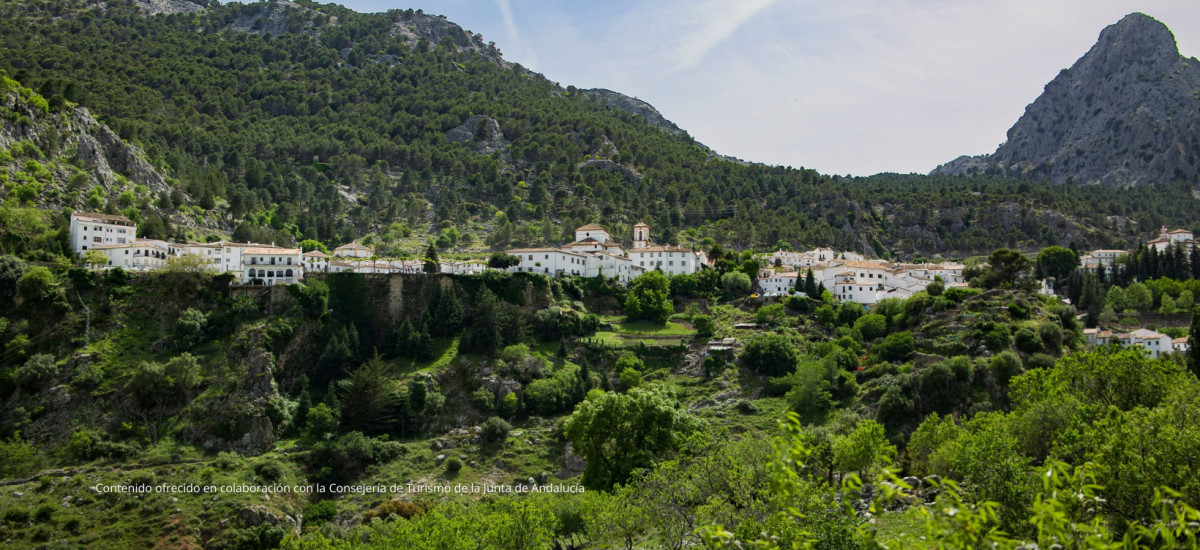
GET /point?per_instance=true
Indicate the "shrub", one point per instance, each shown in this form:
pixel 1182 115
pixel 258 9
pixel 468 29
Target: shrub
pixel 37 283
pixel 630 378
pixel 36 371
pixel 704 325
pixel 320 512
pixel 495 430
pixel 189 327
pixel 453 465
pixel 16 516
pixel 735 282
pixel 871 326
pixel 394 507
pixel 770 354
pixel 270 472
pixel 1028 341
pixel 896 347
pixel 483 399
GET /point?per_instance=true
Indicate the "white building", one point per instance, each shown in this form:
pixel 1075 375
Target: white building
pixel 1167 239
pixel 353 250
pixel 90 230
pixel 1096 259
pixel 777 284
pixel 594 252
pixel 672 260
pixel 140 255
pixel 1154 343
pixel 316 261
pixel 1180 345
pixel 550 261
pixel 271 266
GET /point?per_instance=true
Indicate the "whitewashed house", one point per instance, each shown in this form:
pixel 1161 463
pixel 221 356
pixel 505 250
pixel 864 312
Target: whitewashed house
pixel 353 250
pixel 1180 345
pixel 90 230
pixel 1167 239
pixel 271 266
pixel 316 261
pixel 778 284
pixel 140 255
pixel 550 261
pixel 594 252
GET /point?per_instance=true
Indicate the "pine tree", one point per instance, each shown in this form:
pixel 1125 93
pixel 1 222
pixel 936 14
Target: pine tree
pixel 448 312
pixel 431 260
pixel 402 339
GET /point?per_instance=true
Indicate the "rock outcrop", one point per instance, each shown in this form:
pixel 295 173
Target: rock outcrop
pixel 481 133
pixel 1126 113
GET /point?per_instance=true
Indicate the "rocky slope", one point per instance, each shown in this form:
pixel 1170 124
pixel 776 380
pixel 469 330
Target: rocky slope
pixel 65 158
pixel 1126 113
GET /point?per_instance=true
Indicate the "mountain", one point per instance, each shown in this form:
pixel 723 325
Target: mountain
pixel 57 156
pixel 1126 113
pixel 283 121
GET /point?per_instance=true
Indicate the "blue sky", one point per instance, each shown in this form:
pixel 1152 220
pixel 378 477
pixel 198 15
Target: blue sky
pixel 845 87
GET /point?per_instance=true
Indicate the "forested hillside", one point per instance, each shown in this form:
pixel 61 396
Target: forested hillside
pixel 303 121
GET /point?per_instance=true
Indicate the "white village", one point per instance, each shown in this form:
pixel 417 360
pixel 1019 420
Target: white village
pixel 848 276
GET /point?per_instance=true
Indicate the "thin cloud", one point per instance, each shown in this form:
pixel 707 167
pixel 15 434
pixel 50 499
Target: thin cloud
pixel 715 22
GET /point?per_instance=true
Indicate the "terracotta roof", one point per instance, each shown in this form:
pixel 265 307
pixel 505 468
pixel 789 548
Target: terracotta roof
pixel 640 224
pixel 662 248
pixel 140 244
pixel 1178 231
pixel 315 254
pixel 105 218
pixel 864 264
pixel 249 245
pixel 272 251
pixel 584 242
pixel 352 246
pixel 590 227
pixel 1179 341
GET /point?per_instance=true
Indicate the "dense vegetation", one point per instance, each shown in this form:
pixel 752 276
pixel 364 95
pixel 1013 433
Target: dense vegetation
pixel 523 381
pixel 337 128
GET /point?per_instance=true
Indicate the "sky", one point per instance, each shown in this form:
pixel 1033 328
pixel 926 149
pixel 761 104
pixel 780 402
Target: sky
pixel 844 87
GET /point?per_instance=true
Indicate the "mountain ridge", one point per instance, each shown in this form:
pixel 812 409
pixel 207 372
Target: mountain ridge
pixel 1125 113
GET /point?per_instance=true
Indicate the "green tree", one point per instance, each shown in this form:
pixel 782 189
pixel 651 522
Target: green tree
pixel 430 262
pixel 771 315
pixel 736 282
pixel 1139 297
pixel 190 327
pixel 704 325
pixel 309 245
pixel 871 326
pixel 320 422
pixel 1057 262
pixel 896 347
pixel 11 270
pixel 770 355
pixel 371 397
pixel 1193 353
pixel 649 298
pixel 501 260
pixel 1007 269
pixel 94 258
pixel 619 433
pixel 37 283
pixel 864 449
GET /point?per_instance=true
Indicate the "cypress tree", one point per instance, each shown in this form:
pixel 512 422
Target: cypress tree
pixel 1193 354
pixel 810 286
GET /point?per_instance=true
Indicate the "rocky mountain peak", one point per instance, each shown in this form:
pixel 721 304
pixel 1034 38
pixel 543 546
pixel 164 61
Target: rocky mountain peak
pixel 1126 113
